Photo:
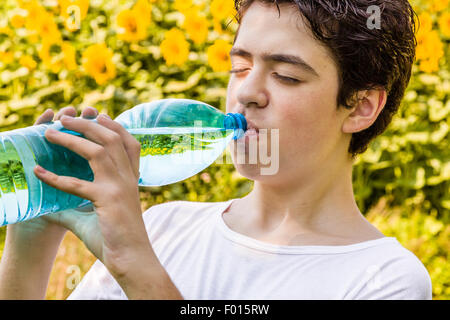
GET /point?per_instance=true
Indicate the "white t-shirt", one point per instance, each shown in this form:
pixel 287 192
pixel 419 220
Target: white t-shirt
pixel 207 260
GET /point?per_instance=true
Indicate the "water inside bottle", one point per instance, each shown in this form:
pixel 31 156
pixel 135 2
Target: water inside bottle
pixel 168 155
pixel 13 184
pixel 23 195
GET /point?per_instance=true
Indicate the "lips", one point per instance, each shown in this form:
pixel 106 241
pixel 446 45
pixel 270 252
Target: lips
pixel 252 131
pixel 251 126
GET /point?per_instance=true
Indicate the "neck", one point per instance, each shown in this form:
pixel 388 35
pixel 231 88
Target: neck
pixel 322 200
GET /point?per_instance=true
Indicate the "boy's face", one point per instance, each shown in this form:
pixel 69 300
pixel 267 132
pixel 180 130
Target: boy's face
pixel 304 111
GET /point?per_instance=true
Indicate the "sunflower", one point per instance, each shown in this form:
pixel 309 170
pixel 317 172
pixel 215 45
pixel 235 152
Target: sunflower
pixel 429 65
pixel 143 11
pixel 28 62
pixel 97 62
pixel 18 20
pixel 39 22
pixel 182 5
pixel 222 9
pixel 219 55
pixel 174 47
pixel 6 57
pixel 131 28
pixel 425 22
pixel 47 28
pixel 69 56
pixel 34 13
pixel 438 5
pixel 196 25
pixel 444 24
pixel 429 50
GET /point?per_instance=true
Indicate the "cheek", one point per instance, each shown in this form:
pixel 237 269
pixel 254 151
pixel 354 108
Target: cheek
pixel 309 123
pixel 231 97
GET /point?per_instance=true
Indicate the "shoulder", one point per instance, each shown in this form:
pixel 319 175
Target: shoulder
pixel 394 272
pixel 179 214
pixel 179 207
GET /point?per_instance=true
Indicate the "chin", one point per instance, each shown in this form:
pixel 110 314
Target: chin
pixel 249 171
pixel 255 172
pixel 249 164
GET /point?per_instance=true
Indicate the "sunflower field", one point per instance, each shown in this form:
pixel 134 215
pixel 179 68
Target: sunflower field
pixel 115 54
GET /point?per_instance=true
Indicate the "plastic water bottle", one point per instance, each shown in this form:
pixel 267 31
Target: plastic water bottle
pixel 178 137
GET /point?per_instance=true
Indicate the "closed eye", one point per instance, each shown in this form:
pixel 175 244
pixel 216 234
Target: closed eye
pixel 286 79
pixel 238 70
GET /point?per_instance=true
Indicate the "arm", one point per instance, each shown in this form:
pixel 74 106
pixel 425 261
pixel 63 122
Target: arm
pixel 151 282
pixel 27 260
pixel 116 233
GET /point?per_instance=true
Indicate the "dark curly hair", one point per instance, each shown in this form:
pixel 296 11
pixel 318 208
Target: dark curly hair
pixel 367 58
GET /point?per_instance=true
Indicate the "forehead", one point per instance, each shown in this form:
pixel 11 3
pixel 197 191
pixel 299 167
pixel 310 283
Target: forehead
pixel 264 29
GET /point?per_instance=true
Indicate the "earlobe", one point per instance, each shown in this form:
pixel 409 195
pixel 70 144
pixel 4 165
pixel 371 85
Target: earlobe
pixel 369 105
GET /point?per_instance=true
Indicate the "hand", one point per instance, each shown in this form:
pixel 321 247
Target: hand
pixel 45 223
pixel 116 233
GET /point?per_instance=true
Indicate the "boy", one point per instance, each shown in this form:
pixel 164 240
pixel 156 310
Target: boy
pixel 313 70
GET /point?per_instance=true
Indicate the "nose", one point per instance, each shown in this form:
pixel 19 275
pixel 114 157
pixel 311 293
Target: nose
pixel 252 90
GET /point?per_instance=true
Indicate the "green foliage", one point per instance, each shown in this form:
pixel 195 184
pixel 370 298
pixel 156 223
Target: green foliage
pixel 411 160
pixel 424 234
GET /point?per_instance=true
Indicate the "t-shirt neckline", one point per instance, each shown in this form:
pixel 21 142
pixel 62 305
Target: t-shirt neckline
pixel 259 245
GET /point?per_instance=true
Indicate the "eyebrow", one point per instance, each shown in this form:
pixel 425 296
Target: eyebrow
pixel 277 57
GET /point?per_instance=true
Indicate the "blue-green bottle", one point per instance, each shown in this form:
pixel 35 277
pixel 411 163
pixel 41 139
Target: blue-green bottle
pixel 178 137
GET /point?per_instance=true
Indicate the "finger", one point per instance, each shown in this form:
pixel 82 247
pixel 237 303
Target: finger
pixel 132 146
pixel 89 113
pixel 110 140
pixel 47 116
pixel 72 185
pixel 98 158
pixel 68 111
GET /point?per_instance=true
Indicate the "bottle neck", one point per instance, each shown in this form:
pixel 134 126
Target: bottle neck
pixel 237 122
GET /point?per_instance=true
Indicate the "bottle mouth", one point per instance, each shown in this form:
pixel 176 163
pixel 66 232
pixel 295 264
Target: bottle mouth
pixel 237 122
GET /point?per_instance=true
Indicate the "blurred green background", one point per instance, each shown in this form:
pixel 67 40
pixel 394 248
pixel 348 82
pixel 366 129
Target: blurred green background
pixel 114 54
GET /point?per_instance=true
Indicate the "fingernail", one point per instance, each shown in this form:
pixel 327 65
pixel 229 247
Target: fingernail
pixel 50 131
pixel 104 115
pixel 66 118
pixel 40 170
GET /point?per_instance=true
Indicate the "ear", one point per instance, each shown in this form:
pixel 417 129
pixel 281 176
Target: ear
pixel 366 110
